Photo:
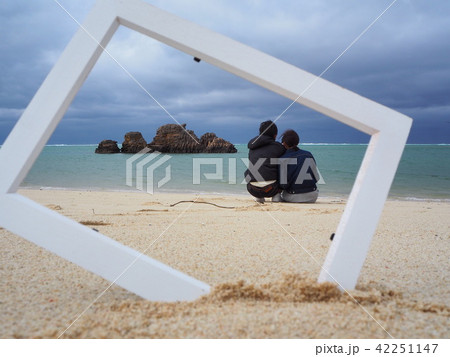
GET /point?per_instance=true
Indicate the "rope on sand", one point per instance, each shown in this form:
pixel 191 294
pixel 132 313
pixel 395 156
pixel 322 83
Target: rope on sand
pixel 206 203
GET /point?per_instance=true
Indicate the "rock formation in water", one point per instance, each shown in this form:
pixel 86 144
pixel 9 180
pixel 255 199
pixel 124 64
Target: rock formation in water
pixel 133 143
pixel 174 138
pixel 107 147
pixel 213 144
pixel 169 138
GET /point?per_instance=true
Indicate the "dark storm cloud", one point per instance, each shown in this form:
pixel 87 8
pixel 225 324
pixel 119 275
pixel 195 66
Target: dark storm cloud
pixel 401 62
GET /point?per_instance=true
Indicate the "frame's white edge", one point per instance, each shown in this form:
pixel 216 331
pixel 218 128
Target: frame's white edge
pixel 359 221
pixel 97 253
pixel 257 67
pixel 146 277
pixel 54 96
pixel 388 128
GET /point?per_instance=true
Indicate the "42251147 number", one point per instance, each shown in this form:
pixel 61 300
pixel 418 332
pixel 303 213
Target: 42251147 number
pixel 406 348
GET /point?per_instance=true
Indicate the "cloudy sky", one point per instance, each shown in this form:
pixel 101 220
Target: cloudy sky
pixel 402 61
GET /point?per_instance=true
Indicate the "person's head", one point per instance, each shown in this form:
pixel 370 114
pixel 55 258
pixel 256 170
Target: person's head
pixel 290 139
pixel 268 128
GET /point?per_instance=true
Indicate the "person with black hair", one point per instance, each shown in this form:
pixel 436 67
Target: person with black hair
pixel 262 174
pixel 298 172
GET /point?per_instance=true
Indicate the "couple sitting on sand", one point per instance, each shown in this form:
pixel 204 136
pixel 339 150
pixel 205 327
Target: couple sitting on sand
pixel 281 171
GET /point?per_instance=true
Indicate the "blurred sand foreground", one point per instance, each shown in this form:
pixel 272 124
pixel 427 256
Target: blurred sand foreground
pixel 263 281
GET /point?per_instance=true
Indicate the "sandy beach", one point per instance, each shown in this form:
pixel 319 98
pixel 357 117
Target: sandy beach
pixel 263 281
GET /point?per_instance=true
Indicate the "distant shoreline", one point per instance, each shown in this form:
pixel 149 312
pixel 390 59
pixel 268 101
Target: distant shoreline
pixel 218 194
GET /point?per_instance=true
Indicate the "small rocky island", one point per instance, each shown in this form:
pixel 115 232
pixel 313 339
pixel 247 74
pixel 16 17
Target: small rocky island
pixel 169 138
pixel 107 147
pixel 133 142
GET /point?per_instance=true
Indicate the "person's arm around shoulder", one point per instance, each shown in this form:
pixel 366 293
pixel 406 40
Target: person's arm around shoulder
pixel 279 149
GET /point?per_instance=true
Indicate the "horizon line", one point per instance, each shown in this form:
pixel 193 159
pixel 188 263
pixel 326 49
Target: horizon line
pixel 320 143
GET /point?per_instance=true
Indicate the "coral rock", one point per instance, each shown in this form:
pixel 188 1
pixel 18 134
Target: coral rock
pixel 213 144
pixel 173 138
pixel 133 143
pixel 107 147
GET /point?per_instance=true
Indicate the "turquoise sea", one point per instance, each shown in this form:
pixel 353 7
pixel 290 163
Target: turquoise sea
pixel 424 171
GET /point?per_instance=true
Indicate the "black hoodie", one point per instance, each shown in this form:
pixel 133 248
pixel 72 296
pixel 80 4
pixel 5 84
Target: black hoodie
pixel 263 147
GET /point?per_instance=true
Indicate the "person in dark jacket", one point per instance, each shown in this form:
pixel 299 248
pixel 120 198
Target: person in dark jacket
pixel 298 171
pixel 262 174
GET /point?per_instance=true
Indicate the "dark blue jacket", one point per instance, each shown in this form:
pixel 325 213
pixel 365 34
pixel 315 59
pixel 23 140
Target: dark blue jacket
pixel 298 179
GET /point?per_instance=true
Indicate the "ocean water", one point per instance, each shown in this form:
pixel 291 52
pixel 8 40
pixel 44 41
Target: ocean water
pixel 424 171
